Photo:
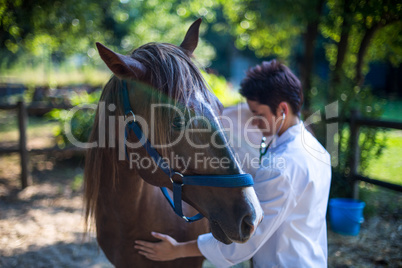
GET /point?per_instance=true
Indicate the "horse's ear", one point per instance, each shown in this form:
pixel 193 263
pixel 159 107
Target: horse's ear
pixel 122 66
pixel 190 41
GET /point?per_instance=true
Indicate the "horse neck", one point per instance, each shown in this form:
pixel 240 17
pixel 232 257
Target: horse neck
pixel 128 178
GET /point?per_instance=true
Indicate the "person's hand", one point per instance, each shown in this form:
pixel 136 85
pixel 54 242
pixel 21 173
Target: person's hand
pixel 165 250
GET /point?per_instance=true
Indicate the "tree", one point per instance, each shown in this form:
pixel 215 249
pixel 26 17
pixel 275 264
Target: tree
pixel 70 27
pixel 38 26
pixel 352 30
pixel 275 28
pixel 355 28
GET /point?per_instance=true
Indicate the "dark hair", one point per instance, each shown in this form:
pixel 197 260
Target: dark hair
pixel 270 83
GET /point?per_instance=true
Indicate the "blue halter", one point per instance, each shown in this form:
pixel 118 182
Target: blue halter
pixel 179 180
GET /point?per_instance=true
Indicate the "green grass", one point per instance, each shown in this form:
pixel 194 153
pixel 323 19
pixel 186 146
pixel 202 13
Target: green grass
pixel 388 167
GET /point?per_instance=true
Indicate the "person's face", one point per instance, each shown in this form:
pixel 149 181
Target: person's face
pixel 263 117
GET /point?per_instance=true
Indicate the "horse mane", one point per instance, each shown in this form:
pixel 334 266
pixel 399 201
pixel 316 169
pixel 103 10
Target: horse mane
pixel 172 74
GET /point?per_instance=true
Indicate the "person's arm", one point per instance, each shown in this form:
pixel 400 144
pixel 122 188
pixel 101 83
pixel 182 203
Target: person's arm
pixel 167 249
pixel 277 200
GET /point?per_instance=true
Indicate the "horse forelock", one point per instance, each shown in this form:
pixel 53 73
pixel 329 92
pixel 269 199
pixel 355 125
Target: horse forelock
pixel 172 73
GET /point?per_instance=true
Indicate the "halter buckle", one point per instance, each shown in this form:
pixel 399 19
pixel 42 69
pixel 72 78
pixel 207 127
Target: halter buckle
pixel 128 114
pixel 180 178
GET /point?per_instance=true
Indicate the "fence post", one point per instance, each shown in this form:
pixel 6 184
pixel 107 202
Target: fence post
pixel 355 151
pixel 22 124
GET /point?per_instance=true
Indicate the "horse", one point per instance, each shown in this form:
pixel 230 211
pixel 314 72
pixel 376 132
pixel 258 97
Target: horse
pixel 121 181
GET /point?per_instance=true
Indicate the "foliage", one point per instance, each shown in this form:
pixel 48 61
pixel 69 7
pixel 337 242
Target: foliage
pixel 173 19
pixel 393 110
pixel 372 141
pixel 80 121
pixel 222 89
pixel 270 28
pixel 274 27
pixel 380 201
pixel 360 32
pixel 354 33
pixel 55 29
pixel 43 27
pixel 46 32
pixel 387 167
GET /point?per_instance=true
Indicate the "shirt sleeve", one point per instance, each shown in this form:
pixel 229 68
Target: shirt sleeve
pixel 277 200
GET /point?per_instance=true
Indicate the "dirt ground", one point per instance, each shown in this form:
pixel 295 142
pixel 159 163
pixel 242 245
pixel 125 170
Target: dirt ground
pixel 42 226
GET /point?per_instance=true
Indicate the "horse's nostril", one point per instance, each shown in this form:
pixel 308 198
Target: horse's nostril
pixel 247 227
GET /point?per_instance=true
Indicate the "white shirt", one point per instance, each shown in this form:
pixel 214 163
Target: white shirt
pixel 292 186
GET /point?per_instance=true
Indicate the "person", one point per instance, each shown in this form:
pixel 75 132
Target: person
pixel 292 185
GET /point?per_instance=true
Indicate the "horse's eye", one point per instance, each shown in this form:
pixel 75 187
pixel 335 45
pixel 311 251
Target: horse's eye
pixel 178 123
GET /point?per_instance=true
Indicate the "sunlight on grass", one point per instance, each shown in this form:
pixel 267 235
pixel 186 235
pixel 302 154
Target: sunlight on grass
pixel 388 167
pixel 57 77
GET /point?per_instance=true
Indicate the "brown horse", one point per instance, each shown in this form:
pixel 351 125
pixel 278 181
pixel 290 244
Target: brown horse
pixel 120 192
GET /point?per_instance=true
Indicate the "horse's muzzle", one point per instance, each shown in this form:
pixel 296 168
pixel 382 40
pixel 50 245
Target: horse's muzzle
pixel 240 226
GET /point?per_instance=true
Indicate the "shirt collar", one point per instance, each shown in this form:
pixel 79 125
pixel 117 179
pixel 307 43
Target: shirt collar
pixel 288 135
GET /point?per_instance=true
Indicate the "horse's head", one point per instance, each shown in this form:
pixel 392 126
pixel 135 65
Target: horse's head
pixel 179 116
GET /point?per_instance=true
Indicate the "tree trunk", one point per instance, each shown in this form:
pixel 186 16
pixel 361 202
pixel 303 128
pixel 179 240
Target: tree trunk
pixel 308 60
pixel 368 35
pixel 342 48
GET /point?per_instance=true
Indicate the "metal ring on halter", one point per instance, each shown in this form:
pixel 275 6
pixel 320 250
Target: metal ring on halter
pixel 131 114
pixel 176 173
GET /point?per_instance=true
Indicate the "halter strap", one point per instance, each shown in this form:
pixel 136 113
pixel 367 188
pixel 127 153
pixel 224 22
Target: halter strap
pixel 229 181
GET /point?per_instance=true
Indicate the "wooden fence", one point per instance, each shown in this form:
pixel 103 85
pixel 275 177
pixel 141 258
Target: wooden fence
pixel 355 123
pixel 22 150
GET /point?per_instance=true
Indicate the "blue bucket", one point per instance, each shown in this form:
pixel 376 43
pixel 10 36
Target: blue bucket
pixel 346 215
